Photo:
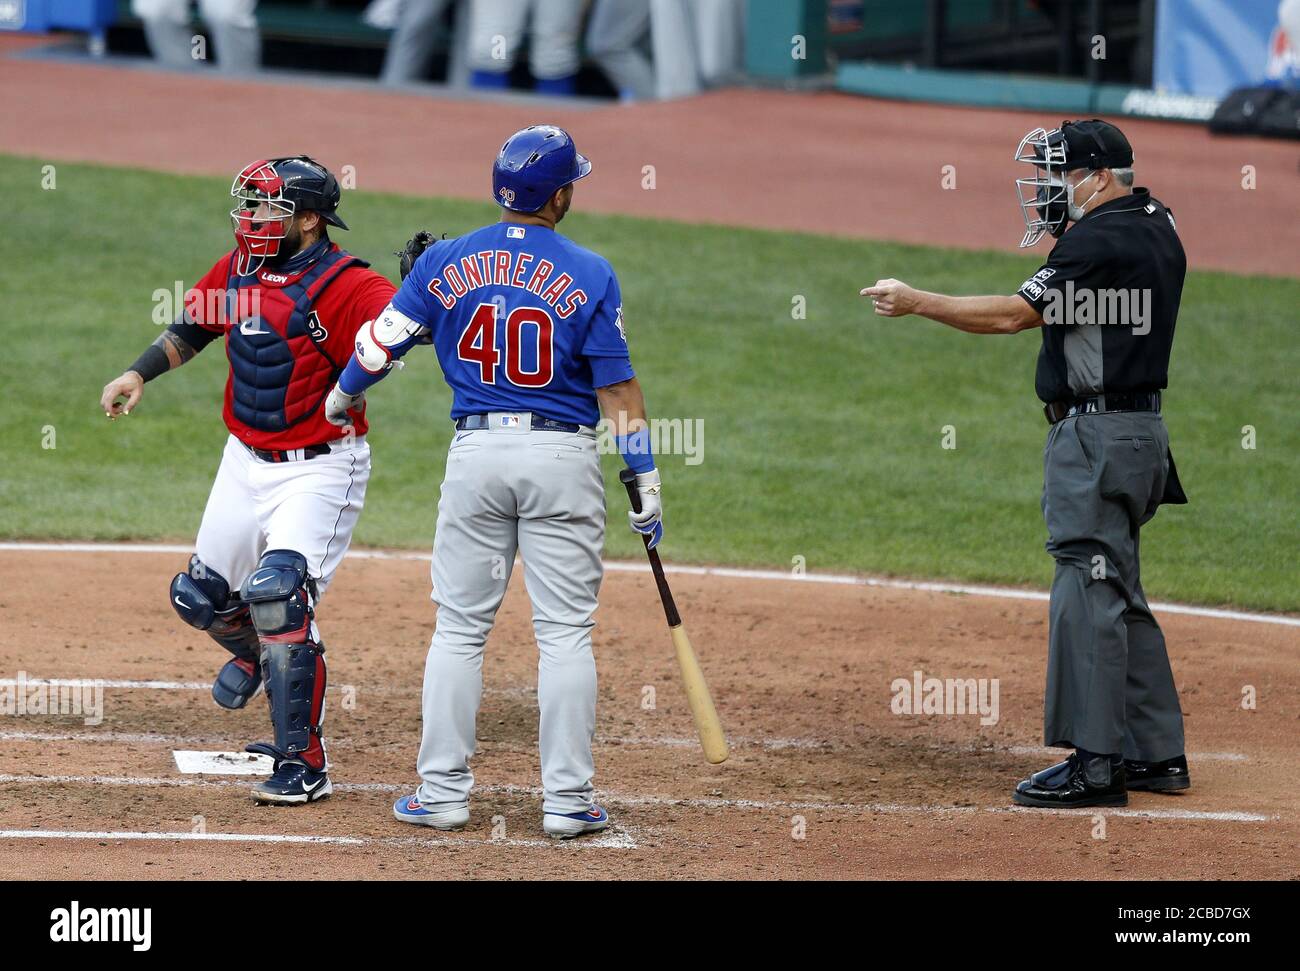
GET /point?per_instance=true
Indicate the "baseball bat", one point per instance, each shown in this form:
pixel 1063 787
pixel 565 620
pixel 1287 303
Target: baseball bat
pixel 707 724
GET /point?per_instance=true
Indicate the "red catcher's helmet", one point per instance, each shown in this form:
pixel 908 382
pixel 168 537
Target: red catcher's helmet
pixel 269 193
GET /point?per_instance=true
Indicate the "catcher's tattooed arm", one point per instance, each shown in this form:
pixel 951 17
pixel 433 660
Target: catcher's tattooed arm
pixel 174 346
pixel 974 315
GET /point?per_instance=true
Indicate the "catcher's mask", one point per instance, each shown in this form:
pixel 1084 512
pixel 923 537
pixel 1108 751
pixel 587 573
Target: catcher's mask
pixel 270 192
pixel 262 215
pixel 1047 199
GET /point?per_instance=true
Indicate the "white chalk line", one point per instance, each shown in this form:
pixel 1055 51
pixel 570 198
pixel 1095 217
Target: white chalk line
pixel 616 840
pixel 120 738
pixel 516 691
pixel 618 799
pixel 187 837
pixel 770 743
pixel 623 566
pixel 632 741
pixel 112 683
pixel 736 741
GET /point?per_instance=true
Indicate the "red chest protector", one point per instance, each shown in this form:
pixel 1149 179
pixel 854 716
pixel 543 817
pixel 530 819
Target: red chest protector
pixel 280 370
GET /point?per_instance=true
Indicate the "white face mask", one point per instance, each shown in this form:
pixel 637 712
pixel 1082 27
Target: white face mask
pixel 1073 210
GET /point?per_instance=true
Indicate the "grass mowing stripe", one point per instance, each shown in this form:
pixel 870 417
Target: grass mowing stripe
pixel 821 433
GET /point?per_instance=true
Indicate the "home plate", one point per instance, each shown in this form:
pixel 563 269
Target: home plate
pixel 222 763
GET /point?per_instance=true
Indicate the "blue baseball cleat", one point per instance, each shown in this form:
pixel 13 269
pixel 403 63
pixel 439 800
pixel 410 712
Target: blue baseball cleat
pixel 565 826
pixel 408 809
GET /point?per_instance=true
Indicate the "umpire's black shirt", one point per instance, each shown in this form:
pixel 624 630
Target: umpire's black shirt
pixel 1109 295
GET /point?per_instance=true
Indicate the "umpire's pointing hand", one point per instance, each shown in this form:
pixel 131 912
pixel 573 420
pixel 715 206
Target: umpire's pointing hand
pixel 892 298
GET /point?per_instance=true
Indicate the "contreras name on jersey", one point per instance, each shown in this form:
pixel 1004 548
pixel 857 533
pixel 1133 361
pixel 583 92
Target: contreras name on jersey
pixel 503 268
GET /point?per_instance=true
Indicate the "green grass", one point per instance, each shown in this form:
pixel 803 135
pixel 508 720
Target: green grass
pixel 822 436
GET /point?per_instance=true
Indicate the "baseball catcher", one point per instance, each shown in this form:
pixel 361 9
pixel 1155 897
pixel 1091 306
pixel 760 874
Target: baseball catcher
pixel 288 302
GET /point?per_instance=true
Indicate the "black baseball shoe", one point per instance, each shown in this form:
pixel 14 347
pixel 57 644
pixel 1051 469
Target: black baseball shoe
pixel 292 781
pixel 238 680
pixel 1167 776
pixel 1081 780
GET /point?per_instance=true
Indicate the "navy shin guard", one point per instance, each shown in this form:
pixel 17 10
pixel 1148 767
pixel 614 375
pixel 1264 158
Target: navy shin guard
pixel 280 595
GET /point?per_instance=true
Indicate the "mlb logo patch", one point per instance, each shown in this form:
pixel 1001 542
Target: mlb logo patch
pixel 515 232
pixel 509 421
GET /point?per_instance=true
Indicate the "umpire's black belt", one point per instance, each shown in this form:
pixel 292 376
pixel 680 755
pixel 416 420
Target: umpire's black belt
pixel 473 423
pixel 291 454
pixel 1060 410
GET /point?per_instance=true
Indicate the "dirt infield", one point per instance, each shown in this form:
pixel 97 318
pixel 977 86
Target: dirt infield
pixel 828 163
pixel 802 672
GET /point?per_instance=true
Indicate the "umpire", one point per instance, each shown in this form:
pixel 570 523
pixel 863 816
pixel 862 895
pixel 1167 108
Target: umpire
pixel 1107 301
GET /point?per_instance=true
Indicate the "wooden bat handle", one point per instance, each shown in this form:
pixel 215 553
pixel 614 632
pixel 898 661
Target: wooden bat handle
pixel 628 478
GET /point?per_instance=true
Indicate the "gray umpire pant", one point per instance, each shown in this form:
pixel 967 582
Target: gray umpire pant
pixel 1109 685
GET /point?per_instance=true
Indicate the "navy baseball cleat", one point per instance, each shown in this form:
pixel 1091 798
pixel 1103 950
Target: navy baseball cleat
pixel 239 680
pixel 409 809
pixel 565 826
pixel 292 781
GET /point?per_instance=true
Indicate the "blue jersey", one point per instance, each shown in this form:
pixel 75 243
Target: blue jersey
pixel 522 320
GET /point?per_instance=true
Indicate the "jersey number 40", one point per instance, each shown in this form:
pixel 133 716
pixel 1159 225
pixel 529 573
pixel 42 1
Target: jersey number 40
pixel 478 344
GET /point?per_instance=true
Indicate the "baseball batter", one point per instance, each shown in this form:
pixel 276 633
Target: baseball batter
pixel 290 486
pixel 528 328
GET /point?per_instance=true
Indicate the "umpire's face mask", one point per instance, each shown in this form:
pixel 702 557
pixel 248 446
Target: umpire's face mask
pixel 1046 197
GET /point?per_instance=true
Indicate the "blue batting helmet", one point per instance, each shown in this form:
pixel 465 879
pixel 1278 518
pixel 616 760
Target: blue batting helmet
pixel 532 164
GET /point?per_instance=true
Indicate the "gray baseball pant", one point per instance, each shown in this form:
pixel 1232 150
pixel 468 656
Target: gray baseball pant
pixel 538 493
pixel 1109 685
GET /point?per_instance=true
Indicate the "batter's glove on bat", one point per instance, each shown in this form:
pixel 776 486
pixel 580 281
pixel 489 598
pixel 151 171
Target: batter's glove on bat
pixel 337 404
pixel 416 245
pixel 650 520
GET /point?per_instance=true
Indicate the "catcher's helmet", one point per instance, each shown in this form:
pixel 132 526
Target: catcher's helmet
pixel 310 187
pixel 532 164
pixel 269 193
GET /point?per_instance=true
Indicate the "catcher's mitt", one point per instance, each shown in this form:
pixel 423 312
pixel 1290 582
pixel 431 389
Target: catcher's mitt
pixel 417 244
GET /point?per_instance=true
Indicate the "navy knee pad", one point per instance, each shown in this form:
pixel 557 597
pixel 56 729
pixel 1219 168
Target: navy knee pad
pixel 280 594
pixel 203 599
